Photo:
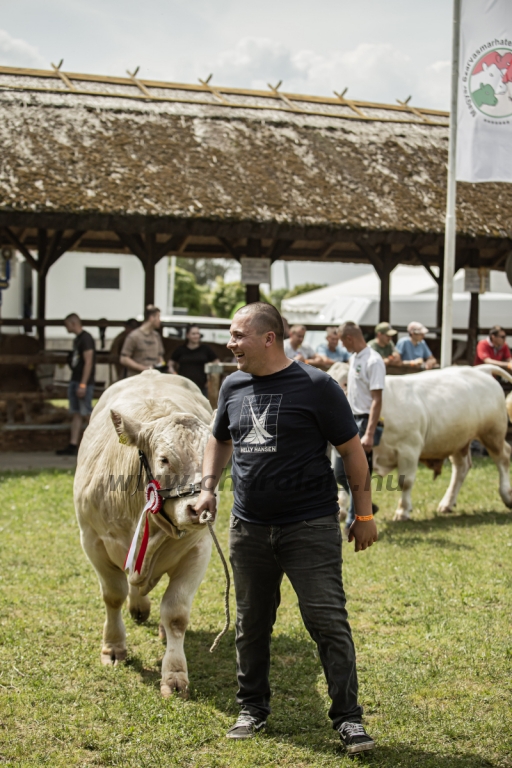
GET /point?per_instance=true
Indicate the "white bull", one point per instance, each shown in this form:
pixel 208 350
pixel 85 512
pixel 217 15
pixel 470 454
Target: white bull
pixel 436 414
pixel 167 418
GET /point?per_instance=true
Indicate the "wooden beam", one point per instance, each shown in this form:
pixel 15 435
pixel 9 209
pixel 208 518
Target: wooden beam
pixel 278 249
pixel 21 247
pixel 173 244
pixel 134 245
pixel 424 261
pixel 229 247
pixel 371 255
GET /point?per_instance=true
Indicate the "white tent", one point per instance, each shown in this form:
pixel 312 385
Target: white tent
pixel 413 295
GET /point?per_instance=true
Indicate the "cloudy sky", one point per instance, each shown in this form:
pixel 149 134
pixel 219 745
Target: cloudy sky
pixel 380 49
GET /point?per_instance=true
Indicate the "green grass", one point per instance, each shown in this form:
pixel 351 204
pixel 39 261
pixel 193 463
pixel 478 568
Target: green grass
pixel 430 606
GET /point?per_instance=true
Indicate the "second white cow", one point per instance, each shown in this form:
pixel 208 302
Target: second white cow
pixel 433 415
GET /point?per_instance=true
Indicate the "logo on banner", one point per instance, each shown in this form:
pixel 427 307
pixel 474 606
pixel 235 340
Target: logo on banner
pixel 487 81
pixel 258 423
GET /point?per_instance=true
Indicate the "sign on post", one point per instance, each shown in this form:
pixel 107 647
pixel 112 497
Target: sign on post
pixel 255 271
pixel 477 280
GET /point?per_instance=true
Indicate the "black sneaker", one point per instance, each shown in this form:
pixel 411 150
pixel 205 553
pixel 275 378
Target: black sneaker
pixel 355 738
pixel 70 450
pixel 245 727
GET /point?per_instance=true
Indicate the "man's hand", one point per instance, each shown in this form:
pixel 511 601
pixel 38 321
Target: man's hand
pixel 81 391
pixel 364 533
pixel 206 501
pixel 367 442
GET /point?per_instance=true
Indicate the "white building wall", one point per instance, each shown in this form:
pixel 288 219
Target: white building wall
pixel 66 291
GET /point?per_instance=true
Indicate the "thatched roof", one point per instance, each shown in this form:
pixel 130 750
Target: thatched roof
pixel 113 153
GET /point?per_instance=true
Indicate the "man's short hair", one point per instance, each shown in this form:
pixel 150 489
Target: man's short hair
pixel 150 311
pixel 265 317
pixel 496 330
pixel 297 327
pixel 73 318
pixel 350 329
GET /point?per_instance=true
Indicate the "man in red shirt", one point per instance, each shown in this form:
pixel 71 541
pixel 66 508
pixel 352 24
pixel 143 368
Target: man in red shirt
pixel 494 349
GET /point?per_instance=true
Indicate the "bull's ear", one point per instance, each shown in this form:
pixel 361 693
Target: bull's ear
pixel 127 429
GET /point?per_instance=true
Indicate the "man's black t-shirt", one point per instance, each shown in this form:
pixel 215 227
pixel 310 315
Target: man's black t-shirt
pixel 81 343
pixel 192 362
pixel 280 425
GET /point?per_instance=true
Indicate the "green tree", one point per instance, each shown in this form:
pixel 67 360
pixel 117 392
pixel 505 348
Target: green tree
pixel 204 270
pixel 187 293
pixel 225 296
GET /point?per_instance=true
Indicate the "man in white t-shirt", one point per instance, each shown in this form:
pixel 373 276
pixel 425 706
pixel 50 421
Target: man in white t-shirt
pixel 366 381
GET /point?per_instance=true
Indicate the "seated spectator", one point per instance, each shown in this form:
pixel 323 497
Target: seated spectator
pixel 494 349
pixel 144 348
pixel 414 351
pixel 332 350
pixel 295 349
pixel 383 344
pixel 191 358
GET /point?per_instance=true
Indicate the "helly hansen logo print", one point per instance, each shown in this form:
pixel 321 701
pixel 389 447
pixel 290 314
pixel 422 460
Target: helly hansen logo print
pixel 258 423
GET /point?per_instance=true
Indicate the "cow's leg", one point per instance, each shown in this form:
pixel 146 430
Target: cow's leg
pixel 499 451
pixel 407 465
pixel 461 464
pixel 114 589
pixel 175 613
pixel 138 605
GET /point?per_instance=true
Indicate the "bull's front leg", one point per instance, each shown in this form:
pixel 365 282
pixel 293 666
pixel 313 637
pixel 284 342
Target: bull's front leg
pixel 114 589
pixel 407 466
pixel 175 613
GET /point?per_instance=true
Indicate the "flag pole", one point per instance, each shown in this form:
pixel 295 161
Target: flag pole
pixel 451 224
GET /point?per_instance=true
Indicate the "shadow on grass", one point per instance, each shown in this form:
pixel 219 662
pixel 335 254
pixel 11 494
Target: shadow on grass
pixel 404 532
pixel 403 755
pixel 299 715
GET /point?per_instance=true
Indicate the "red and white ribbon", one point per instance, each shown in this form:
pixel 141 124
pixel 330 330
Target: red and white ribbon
pixel 153 505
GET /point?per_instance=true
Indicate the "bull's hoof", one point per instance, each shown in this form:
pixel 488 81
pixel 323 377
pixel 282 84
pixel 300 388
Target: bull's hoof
pixel 112 657
pixel 401 517
pixel 445 509
pixel 175 682
pixel 161 633
pixel 141 610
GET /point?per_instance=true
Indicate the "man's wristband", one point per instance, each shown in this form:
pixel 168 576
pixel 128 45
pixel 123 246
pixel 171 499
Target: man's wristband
pixel 364 518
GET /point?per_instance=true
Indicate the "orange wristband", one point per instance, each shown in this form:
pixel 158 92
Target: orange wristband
pixel 364 518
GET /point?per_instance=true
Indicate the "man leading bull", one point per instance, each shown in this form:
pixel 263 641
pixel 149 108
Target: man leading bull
pixel 275 418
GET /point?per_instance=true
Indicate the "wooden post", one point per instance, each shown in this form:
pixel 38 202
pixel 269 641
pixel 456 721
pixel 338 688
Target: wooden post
pixel 42 247
pixel 473 328
pixel 385 304
pixel 149 270
pixel 252 292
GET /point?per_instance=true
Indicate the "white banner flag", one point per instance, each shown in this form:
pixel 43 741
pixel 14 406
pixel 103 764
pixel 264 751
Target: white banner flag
pixel 484 132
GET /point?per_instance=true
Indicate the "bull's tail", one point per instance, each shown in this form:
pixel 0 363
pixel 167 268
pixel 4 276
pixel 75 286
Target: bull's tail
pixel 494 370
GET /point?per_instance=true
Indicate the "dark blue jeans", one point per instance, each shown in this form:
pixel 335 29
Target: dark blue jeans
pixel 309 553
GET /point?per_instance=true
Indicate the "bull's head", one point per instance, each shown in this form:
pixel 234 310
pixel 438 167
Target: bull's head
pixel 174 446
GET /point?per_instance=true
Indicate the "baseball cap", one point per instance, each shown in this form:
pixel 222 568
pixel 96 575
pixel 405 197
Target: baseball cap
pixel 416 327
pixel 385 328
